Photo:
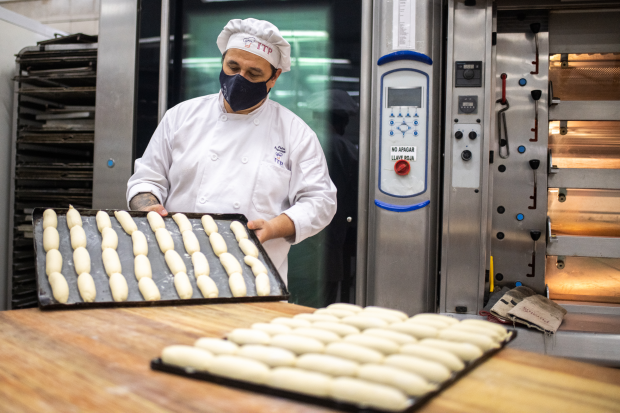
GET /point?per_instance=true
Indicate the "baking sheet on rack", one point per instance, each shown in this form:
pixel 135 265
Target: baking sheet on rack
pixel 162 276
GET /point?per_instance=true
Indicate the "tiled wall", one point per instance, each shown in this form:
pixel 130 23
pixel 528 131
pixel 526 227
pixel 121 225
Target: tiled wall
pixel 72 16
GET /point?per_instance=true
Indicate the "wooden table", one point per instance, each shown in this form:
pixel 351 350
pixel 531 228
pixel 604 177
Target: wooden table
pixel 98 360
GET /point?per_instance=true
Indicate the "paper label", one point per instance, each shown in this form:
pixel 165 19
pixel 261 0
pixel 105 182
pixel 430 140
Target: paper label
pixel 408 153
pixel 403 24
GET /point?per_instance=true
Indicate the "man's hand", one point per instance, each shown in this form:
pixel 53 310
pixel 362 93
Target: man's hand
pixel 145 201
pixel 279 227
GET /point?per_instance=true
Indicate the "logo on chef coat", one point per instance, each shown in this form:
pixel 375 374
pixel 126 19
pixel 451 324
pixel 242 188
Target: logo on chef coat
pixel 280 151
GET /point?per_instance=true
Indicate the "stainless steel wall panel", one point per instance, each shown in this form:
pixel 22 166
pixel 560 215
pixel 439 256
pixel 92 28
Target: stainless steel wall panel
pixel 584 31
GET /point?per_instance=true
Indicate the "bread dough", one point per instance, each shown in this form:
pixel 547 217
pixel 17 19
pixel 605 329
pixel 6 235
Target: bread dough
pixel 388 318
pixel 187 357
pixel 207 286
pixel 73 218
pixel 126 221
pixel 323 363
pixel 182 222
pixel 316 317
pixel 51 240
pixel 155 221
pixel 149 290
pixel 230 263
pixel 291 322
pixel 248 248
pixel 364 322
pixel 53 262
pixel 323 336
pixel 444 357
pixel 474 329
pixel 395 313
pixel 183 286
pixel 418 331
pixel 240 368
pixel 60 288
pixel 237 286
pixel 354 352
pixel 345 306
pixel 50 219
pixel 336 327
pixel 175 262
pixel 81 261
pixel 271 356
pixel 297 344
pixel 103 221
pixel 395 336
pixel 190 242
pixel 257 266
pixel 140 245
pixel 109 239
pixel 78 237
pixel 208 224
pixel 243 336
pixel 111 262
pixel 200 263
pixel 488 325
pixel 142 267
pixel 483 342
pixel 218 244
pixel 334 312
pixel 217 345
pixel 164 239
pixel 410 383
pixel 366 394
pixel 299 381
pixel 430 370
pixel 239 230
pixel 263 286
pixel 272 329
pixel 464 351
pixel 380 344
pixel 432 316
pixel 431 322
pixel 86 286
pixel 118 286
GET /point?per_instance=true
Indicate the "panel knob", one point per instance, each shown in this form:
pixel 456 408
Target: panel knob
pixel 402 167
pixel 468 74
pixel 466 155
pixel 458 134
pixel 473 135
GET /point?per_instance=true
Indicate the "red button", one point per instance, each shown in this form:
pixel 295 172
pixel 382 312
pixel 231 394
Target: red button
pixel 402 167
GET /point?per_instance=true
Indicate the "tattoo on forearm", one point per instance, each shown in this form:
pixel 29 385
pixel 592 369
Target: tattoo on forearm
pixel 143 200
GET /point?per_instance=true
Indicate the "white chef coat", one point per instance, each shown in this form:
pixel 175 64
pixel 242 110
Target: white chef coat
pixel 269 162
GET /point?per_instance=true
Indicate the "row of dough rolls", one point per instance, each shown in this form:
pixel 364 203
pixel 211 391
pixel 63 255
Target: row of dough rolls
pixel 250 251
pixel 372 357
pixel 53 258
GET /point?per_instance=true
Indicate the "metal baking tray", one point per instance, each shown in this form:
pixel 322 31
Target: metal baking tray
pixel 157 364
pixel 161 274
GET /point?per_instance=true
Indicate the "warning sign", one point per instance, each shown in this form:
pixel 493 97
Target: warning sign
pixel 408 153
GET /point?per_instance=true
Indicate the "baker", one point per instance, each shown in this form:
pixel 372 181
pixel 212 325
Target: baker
pixel 239 152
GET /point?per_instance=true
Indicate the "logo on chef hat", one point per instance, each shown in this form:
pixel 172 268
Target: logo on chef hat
pixel 280 151
pixel 247 41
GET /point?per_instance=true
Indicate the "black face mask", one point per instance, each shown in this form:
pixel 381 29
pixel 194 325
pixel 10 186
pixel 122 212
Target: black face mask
pixel 240 93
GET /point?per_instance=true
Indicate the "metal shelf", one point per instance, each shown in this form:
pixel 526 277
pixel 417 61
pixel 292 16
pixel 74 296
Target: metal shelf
pixel 585 110
pixel 584 178
pixel 573 246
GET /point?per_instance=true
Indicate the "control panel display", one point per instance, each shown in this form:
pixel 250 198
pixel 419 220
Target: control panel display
pixel 411 97
pixel 468 104
pixel 468 74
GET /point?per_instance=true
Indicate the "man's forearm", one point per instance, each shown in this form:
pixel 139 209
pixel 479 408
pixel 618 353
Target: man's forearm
pixel 143 200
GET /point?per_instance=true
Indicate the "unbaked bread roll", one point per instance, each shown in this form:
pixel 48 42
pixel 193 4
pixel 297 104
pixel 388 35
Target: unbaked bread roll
pixel 243 336
pixel 51 239
pixel 486 324
pixel 345 306
pixel 366 394
pixel 299 381
pixel 237 285
pixel 387 317
pixel 142 267
pixel 188 357
pixel 78 237
pixel 207 286
pixel 183 286
pixel 73 218
pixel 271 356
pixel 334 312
pixel 155 221
pixel 256 265
pixel 60 288
pixel 53 262
pixel 380 344
pixel 432 316
pixel 364 322
pixel 230 263
pixel 482 341
pixel 140 245
pixel 316 317
pixel 86 287
pixel 323 363
pixel 148 289
pixel 248 248
pixel 335 327
pixel 126 221
pixel 50 219
pixel 430 370
pixel 323 336
pixel 434 354
pixel 208 224
pixel 418 331
pixel 395 336
pixel 175 262
pixel 291 322
pixel 200 263
pixel 410 383
pixel 190 242
pixel 471 328
pixel 431 322
pixel 240 368
pixel 354 352
pixel 164 239
pixel 263 285
pixel 297 344
pixel 118 286
pixel 218 244
pixel 272 329
pixel 182 222
pixel 109 239
pixel 103 220
pixel 217 345
pixel 464 351
pixel 111 262
pixel 81 260
pixel 239 230
pixel 396 313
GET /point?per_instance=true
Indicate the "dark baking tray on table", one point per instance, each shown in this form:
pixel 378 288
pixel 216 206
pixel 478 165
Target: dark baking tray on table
pixel 162 276
pixel 416 402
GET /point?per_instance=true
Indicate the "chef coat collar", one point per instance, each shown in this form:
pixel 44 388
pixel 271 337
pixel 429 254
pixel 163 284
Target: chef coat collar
pixel 236 116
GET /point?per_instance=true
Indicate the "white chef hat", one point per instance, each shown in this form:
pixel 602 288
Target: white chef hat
pixel 258 37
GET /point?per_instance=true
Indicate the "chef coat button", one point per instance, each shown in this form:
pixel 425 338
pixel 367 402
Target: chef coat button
pixel 223 118
pixel 203 200
pixel 244 159
pixel 214 157
pixel 256 122
pixel 236 205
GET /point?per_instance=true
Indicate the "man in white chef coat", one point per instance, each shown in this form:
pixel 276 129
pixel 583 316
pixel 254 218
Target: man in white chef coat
pixel 239 152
